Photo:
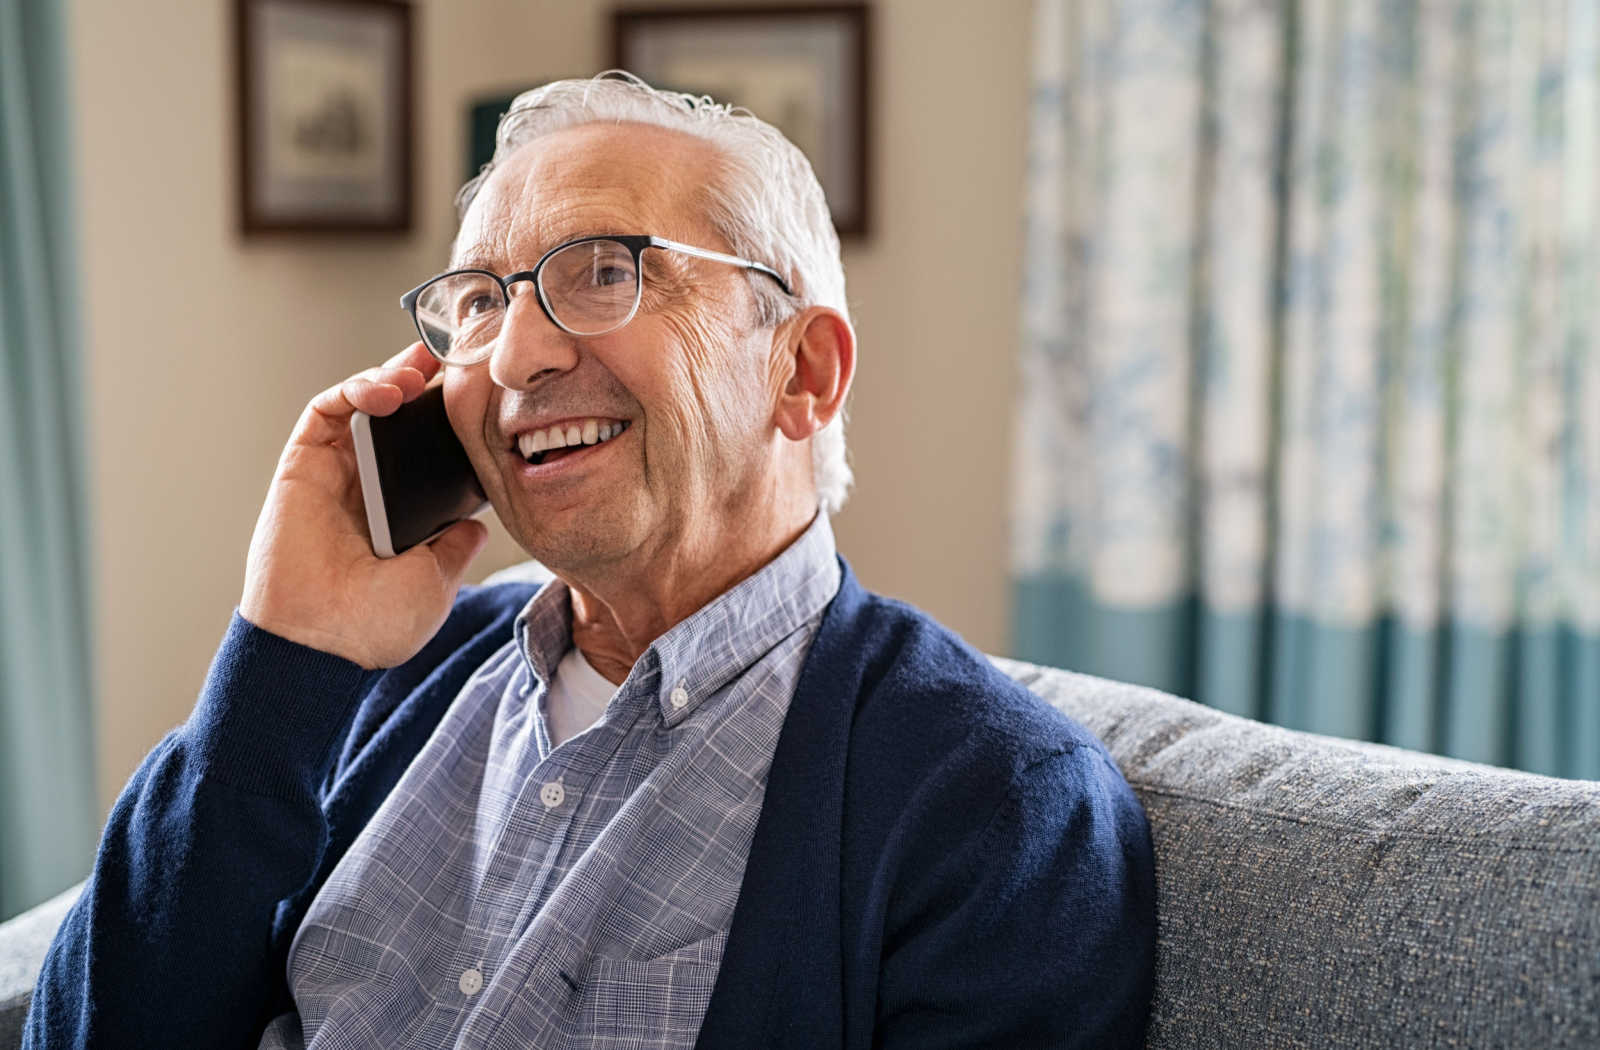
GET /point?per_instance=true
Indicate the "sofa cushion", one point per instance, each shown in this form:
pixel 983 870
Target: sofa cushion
pixel 1318 892
pixel 23 943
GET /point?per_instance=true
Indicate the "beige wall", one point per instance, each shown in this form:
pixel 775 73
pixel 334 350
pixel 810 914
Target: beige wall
pixel 201 349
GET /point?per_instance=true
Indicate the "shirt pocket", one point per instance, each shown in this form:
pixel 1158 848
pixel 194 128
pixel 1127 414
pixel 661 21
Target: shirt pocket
pixel 660 1002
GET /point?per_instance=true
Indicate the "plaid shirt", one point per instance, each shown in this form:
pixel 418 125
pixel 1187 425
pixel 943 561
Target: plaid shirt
pixel 507 894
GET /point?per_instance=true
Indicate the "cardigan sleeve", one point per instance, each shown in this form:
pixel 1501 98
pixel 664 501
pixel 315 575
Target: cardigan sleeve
pixel 170 943
pixel 1036 928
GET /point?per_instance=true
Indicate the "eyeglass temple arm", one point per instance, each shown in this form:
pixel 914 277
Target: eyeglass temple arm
pixel 707 253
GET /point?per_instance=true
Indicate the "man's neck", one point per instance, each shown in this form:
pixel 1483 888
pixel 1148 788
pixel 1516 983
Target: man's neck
pixel 614 620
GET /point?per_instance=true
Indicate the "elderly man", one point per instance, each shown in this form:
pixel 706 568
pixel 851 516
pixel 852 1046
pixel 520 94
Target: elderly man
pixel 698 790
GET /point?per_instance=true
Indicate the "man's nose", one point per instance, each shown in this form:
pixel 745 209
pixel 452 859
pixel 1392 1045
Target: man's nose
pixel 529 346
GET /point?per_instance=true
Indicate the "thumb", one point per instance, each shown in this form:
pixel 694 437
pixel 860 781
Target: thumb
pixel 455 548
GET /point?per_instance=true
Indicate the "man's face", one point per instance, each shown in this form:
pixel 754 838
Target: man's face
pixel 690 378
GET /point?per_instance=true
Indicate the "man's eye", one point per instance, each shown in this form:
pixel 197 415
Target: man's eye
pixel 605 276
pixel 476 306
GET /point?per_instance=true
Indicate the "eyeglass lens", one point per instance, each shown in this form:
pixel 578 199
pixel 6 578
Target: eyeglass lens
pixel 590 288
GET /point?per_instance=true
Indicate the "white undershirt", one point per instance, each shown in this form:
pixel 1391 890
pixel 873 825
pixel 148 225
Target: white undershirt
pixel 577 698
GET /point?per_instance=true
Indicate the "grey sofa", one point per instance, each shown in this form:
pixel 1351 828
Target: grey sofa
pixel 1312 892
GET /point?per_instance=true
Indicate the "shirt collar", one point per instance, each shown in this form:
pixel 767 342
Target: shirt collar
pixel 543 630
pixel 704 652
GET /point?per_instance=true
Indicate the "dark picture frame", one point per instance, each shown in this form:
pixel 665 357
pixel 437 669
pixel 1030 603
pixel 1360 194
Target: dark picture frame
pixel 325 111
pixel 805 69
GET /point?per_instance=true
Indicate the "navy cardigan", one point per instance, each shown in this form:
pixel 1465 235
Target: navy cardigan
pixel 942 860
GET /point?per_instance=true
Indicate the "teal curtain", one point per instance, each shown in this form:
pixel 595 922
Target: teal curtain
pixel 48 811
pixel 1309 420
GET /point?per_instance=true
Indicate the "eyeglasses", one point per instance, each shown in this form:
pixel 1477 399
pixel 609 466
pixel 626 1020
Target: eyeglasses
pixel 589 286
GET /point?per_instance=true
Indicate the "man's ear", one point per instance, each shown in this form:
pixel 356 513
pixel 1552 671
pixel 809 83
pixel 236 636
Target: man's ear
pixel 819 355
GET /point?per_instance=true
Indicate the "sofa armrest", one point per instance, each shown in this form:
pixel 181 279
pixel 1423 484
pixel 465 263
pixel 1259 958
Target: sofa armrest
pixel 23 943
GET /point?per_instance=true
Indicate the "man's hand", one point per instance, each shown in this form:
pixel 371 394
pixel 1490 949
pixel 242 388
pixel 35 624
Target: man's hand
pixel 311 575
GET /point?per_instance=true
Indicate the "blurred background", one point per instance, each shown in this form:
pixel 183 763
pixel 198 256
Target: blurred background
pixel 1242 348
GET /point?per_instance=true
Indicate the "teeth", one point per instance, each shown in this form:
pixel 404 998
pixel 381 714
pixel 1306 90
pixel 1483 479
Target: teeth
pixel 588 432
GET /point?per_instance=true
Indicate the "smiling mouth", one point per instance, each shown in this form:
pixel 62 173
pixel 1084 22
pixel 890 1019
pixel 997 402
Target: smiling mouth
pixel 553 443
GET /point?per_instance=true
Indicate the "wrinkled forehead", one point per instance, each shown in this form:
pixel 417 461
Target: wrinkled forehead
pixel 590 179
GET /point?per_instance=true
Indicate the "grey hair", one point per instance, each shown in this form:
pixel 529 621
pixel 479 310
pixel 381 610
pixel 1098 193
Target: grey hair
pixel 766 203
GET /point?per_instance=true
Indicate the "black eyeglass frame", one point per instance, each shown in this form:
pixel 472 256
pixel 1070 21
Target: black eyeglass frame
pixel 635 243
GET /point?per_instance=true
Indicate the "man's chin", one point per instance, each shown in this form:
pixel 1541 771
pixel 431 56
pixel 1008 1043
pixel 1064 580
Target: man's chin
pixel 573 545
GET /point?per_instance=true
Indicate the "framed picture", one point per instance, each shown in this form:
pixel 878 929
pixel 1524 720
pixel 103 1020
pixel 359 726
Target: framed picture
pixel 803 69
pixel 325 112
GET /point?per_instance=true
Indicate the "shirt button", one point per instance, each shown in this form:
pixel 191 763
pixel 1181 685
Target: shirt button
pixel 552 794
pixel 680 697
pixel 471 981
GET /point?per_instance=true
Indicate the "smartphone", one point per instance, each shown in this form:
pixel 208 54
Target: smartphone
pixel 416 479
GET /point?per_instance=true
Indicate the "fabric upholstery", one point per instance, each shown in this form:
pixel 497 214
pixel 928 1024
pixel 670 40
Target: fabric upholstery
pixel 23 942
pixel 1321 893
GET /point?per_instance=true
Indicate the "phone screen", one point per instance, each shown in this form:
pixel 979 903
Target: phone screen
pixel 416 478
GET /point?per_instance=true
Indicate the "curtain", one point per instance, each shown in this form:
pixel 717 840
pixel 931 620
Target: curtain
pixel 1309 420
pixel 48 811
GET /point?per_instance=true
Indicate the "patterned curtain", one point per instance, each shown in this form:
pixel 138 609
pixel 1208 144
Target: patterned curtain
pixel 1309 421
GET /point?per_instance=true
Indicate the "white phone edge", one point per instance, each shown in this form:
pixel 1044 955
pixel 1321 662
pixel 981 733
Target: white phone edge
pixel 371 487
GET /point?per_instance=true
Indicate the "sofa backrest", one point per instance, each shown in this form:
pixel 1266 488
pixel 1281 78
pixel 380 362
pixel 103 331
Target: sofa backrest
pixel 1323 893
